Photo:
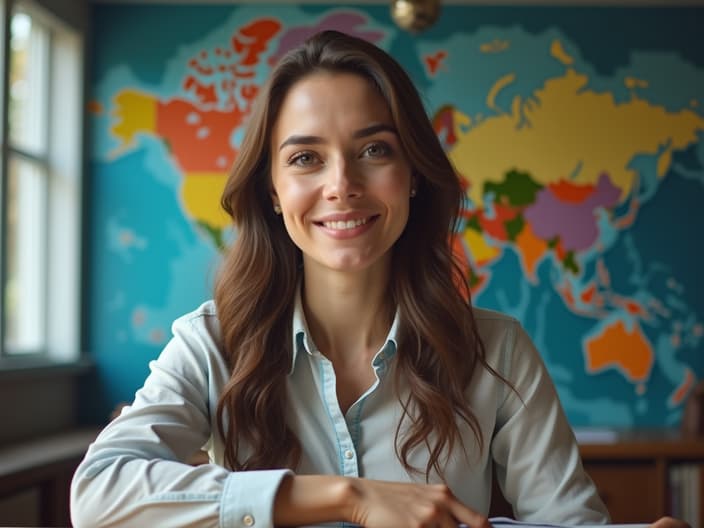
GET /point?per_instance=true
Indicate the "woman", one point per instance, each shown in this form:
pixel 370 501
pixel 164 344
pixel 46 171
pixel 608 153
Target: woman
pixel 339 374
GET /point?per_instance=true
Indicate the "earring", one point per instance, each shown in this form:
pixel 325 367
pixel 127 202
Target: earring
pixel 277 209
pixel 413 193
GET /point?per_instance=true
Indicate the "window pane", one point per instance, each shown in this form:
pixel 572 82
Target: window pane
pixel 27 112
pixel 25 289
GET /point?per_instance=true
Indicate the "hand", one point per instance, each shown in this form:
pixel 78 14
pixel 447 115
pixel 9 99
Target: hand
pixel 386 504
pixel 669 522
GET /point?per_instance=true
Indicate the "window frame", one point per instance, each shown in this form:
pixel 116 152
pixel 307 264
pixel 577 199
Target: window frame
pixel 62 188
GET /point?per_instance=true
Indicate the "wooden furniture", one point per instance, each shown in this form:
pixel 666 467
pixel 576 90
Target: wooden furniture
pixel 35 477
pixel 632 471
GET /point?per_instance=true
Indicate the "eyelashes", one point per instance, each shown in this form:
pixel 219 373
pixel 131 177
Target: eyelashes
pixel 308 158
pixel 302 159
pixel 378 149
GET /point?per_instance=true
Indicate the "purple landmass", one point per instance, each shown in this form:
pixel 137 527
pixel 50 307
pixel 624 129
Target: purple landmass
pixel 575 224
pixel 345 21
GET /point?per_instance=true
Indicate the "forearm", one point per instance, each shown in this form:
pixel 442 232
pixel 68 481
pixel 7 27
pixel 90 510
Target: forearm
pixel 307 500
pixel 313 499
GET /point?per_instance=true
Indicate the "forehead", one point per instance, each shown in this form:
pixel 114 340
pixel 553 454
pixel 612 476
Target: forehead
pixel 331 99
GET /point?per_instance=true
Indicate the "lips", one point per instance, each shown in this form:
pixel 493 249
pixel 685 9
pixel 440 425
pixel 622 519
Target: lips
pixel 345 222
pixel 342 224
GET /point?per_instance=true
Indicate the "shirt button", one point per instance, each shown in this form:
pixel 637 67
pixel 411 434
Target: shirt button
pixel 248 520
pixel 349 454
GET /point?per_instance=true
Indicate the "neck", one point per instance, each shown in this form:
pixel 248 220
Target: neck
pixel 348 314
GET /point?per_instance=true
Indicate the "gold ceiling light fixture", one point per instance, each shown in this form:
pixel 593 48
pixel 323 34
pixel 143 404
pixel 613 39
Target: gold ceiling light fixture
pixel 415 15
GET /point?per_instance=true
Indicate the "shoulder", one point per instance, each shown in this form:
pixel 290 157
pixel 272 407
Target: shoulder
pixel 202 321
pixel 494 325
pixel 500 334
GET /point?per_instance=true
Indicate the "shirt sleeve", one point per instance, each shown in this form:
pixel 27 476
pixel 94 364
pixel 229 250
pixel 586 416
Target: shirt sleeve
pixel 538 466
pixel 135 474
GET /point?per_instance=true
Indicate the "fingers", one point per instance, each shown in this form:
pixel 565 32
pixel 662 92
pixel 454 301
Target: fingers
pixel 385 504
pixel 472 519
pixel 669 522
pixel 464 515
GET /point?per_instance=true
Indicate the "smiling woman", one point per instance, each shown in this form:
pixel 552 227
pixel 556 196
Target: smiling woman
pixel 340 176
pixel 339 374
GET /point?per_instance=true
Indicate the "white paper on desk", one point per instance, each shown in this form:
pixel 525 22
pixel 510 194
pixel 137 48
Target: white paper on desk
pixel 505 522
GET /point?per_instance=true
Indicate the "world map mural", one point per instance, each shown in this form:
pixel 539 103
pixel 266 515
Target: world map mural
pixel 581 154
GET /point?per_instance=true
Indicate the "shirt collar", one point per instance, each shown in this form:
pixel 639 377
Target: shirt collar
pixel 303 341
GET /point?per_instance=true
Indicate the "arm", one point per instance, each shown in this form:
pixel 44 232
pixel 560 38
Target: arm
pixel 314 499
pixel 537 459
pixel 135 473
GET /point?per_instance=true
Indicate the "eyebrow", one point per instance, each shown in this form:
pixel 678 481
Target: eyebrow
pixel 313 140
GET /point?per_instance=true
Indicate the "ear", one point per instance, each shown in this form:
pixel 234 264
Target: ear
pixel 272 194
pixel 414 182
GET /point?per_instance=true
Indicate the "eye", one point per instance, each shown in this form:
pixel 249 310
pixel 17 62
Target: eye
pixel 303 159
pixel 377 149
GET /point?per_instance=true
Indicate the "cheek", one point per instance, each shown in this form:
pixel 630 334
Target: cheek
pixel 394 189
pixel 292 193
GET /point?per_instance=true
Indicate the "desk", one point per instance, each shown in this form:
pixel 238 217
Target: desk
pixel 37 475
pixel 632 472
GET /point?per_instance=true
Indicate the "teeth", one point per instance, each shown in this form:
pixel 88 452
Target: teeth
pixel 341 224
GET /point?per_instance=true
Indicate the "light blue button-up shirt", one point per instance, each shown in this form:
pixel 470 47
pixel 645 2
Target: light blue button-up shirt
pixel 135 474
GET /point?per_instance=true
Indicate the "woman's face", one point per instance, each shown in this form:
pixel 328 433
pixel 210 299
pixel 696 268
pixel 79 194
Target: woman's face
pixel 339 173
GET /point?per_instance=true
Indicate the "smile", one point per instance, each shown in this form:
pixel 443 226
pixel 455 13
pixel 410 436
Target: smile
pixel 340 225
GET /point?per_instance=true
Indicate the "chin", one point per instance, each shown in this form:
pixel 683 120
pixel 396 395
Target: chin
pixel 350 263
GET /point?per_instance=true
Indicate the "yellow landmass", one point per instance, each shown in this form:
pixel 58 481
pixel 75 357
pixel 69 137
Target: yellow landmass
pixel 481 252
pixel 557 51
pixel 460 120
pixel 495 46
pixel 135 112
pixel 633 82
pixel 563 126
pixel 201 193
pixel 664 162
pixel 496 88
pixel 619 347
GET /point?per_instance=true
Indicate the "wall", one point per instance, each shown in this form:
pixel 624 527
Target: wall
pixel 73 12
pixel 578 132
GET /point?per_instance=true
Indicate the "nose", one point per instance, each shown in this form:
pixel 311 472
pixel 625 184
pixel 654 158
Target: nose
pixel 342 181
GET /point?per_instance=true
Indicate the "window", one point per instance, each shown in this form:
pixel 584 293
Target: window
pixel 40 198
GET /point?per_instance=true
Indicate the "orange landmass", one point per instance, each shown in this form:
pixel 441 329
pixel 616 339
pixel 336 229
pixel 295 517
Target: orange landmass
pixel 444 121
pixel 634 308
pixel 434 61
pixel 631 306
pixel 495 226
pixel 531 248
pixel 94 107
pixel 204 92
pixel 566 191
pixel 616 346
pixel 199 139
pixel 680 392
pixel 560 251
pixel 587 295
pixel 253 39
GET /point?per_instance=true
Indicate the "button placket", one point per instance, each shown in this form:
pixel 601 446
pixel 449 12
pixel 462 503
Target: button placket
pixel 348 462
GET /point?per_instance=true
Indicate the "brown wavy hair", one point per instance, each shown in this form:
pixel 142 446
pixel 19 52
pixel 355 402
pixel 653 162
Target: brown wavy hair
pixel 439 348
